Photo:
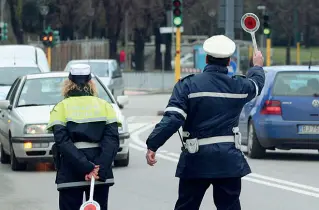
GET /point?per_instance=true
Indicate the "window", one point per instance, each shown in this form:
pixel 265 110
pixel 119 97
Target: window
pixel 296 84
pixel 47 91
pixel 13 93
pixel 12 73
pixel 116 71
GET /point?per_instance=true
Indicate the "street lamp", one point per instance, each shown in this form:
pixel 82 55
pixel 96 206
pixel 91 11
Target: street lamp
pixel 44 10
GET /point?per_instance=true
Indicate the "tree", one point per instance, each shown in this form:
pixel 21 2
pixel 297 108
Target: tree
pixel 16 9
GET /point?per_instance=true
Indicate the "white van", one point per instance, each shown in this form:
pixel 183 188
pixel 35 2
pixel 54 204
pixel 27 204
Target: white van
pixel 108 71
pixel 19 60
pixel 25 54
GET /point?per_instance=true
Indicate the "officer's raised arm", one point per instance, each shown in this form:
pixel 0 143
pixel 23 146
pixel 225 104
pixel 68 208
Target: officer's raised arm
pixel 64 143
pixel 254 83
pixel 109 144
pixel 174 116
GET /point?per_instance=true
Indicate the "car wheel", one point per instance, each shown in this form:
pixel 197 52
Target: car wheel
pixel 254 149
pixel 123 162
pixel 4 158
pixel 15 164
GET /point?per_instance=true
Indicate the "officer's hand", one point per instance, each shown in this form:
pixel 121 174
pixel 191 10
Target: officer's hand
pixel 150 157
pixel 88 177
pixel 258 59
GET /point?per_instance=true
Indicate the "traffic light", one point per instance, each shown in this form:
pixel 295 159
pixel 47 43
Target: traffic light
pixel 50 38
pixel 266 28
pixel 56 37
pixel 45 39
pixel 177 13
pixel 4 31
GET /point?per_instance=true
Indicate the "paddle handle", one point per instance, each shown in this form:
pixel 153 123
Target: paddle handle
pixel 253 37
pixel 92 189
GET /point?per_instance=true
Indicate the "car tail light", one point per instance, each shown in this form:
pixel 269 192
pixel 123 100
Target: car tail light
pixel 271 108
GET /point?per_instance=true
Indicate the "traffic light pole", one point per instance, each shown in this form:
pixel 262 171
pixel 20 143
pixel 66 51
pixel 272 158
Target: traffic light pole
pixel 268 52
pixel 49 56
pixel 178 55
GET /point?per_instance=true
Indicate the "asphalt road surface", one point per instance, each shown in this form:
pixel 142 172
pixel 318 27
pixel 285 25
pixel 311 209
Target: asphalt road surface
pixel 281 181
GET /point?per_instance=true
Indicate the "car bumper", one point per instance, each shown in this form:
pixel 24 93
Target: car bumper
pixel 40 151
pixel 124 146
pixel 284 135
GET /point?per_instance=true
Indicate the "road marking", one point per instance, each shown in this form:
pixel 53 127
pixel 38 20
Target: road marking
pixel 253 177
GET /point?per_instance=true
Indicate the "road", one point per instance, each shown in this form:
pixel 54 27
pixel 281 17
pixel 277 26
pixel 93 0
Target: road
pixel 283 180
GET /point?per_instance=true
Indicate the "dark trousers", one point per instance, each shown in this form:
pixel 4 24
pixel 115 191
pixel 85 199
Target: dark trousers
pixel 72 198
pixel 226 193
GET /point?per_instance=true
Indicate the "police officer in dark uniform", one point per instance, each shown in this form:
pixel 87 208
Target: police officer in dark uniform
pixel 208 106
pixel 86 137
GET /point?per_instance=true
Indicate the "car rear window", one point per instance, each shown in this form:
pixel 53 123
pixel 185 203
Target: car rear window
pixel 296 83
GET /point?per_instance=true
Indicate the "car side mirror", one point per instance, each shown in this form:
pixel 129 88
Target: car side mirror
pixel 122 100
pixel 5 104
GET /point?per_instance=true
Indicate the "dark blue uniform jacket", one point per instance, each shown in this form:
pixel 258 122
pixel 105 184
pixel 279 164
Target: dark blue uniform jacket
pixel 208 105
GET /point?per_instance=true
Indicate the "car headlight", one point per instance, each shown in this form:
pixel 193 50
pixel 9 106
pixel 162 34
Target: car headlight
pixel 36 129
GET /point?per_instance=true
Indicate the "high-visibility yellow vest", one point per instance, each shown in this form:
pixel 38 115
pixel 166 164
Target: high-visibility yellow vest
pixel 83 109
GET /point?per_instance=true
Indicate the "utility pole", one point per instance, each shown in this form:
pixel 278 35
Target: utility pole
pixel 229 20
pixel 126 39
pixel 262 37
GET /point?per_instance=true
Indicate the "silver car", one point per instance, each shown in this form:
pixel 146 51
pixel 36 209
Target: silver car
pixel 26 111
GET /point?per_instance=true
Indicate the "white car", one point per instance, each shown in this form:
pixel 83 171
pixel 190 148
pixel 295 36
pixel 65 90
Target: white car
pixel 25 114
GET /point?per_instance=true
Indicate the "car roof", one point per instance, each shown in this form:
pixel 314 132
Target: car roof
pixel 49 75
pixel 93 60
pixel 291 68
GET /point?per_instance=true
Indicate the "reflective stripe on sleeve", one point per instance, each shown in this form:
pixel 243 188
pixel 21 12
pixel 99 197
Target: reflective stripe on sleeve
pixel 215 94
pixel 257 89
pixel 175 109
pixel 83 183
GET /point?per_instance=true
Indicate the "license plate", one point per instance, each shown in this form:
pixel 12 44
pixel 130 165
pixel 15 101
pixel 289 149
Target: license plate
pixel 308 129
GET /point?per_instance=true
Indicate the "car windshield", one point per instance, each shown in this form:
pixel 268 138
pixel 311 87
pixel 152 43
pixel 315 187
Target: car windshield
pixel 47 91
pixel 100 69
pixel 296 84
pixel 10 74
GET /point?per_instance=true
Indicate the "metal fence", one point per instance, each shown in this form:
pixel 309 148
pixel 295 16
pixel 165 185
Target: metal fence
pixel 150 81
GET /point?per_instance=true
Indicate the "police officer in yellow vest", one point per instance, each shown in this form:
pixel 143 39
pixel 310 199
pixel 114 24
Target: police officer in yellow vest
pixel 86 136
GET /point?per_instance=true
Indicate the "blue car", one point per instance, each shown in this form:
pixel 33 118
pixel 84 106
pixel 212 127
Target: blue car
pixel 286 114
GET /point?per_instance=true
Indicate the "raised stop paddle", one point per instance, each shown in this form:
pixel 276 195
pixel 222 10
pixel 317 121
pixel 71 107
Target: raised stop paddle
pixel 91 204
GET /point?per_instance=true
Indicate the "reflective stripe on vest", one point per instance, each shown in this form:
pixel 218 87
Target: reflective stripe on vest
pixel 85 145
pixel 83 109
pixel 83 183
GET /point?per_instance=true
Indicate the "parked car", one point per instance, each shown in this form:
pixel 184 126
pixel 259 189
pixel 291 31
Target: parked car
pixel 108 72
pixel 25 114
pixel 286 114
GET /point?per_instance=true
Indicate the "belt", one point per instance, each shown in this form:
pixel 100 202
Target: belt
pixel 215 140
pixel 85 145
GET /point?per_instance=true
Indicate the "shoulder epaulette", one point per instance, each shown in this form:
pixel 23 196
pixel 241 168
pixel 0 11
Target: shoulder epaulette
pixel 239 75
pixel 190 75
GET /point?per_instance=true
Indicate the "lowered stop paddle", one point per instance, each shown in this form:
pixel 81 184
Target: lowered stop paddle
pixel 91 204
